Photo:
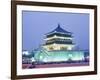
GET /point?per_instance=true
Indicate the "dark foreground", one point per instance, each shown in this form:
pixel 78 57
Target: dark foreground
pixel 51 65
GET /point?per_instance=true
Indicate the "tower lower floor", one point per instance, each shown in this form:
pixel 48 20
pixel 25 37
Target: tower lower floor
pixel 58 47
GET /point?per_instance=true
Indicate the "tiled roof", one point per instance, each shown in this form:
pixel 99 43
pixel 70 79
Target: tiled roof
pixel 59 30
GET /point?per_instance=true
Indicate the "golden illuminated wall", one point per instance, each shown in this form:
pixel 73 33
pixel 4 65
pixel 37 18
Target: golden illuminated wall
pixel 59 47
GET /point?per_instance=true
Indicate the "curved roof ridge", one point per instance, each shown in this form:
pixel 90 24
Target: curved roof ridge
pixel 59 30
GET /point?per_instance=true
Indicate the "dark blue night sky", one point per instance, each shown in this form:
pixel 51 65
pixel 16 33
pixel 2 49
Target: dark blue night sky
pixel 36 24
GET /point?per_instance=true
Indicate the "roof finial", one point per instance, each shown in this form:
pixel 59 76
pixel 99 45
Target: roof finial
pixel 58 25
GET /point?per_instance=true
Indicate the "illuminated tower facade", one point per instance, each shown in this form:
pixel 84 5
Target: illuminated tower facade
pixel 58 39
